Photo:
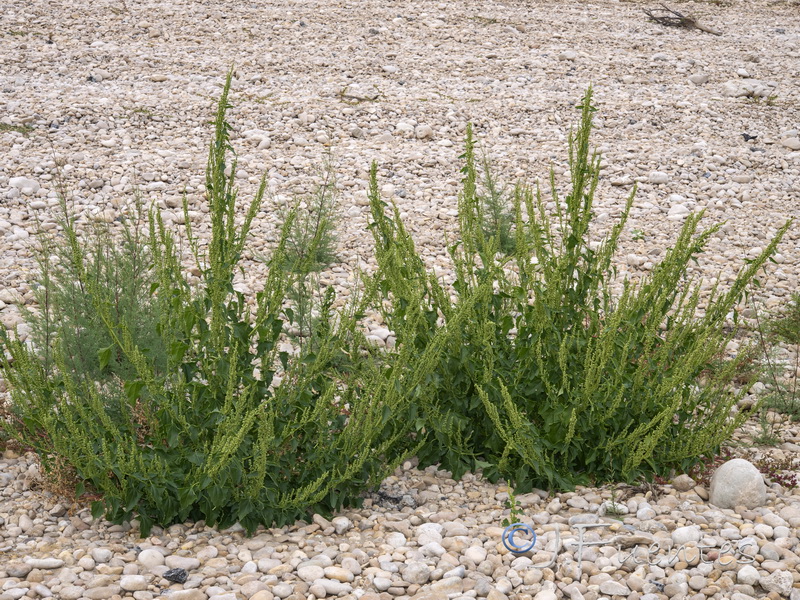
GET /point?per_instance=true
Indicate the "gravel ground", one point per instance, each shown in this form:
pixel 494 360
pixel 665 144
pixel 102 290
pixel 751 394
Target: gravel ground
pixel 112 97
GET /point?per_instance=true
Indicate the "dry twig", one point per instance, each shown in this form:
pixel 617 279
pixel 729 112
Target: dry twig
pixel 672 18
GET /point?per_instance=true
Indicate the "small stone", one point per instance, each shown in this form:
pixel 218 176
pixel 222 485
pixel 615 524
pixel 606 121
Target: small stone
pixel 71 592
pixel 459 571
pixel 658 177
pixel 430 595
pixel 396 539
pixel 382 583
pixel 645 514
pixel 262 595
pixel 25 185
pixel 187 595
pixel 737 483
pixel 133 583
pixel 18 569
pixel 176 575
pixel 416 572
pixel 697 582
pixel 341 525
pixel 310 573
pixel 334 588
pixel 101 555
pixel 770 551
pixel 423 132
pixel 339 574
pixel 451 585
pixel 748 575
pixel 699 78
pixel 792 143
pixel 677 211
pixel 351 564
pixel 45 563
pixel 182 562
pixel 684 535
pixel 569 55
pixel 614 588
pixel 476 554
pixel 683 483
pixel 150 557
pixel 102 593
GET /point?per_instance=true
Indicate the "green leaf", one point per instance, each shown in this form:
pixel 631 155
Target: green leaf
pixel 104 356
pixel 133 389
pixel 97 509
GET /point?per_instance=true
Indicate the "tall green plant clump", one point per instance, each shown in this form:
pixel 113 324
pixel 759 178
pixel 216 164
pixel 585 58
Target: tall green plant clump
pixel 554 381
pixel 194 412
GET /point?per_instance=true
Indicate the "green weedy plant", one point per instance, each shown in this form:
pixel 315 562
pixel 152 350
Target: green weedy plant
pixel 553 381
pixel 214 435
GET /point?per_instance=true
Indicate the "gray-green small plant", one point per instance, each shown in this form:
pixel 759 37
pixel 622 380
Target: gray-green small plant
pixel 613 507
pixel 311 247
pixel 23 129
pixel 311 241
pixel 637 235
pixel 771 100
pixel 497 209
pixel 767 435
pixel 116 266
pixel 784 327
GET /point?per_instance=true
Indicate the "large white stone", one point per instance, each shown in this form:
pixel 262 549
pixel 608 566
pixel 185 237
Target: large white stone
pixel 779 582
pixel 737 483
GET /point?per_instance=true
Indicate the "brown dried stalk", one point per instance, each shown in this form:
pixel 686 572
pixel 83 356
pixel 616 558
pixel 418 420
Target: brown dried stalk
pixel 672 18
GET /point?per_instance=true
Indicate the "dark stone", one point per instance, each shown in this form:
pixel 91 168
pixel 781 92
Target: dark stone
pixel 176 575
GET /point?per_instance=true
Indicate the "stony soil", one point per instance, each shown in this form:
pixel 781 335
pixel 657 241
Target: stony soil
pixel 112 97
